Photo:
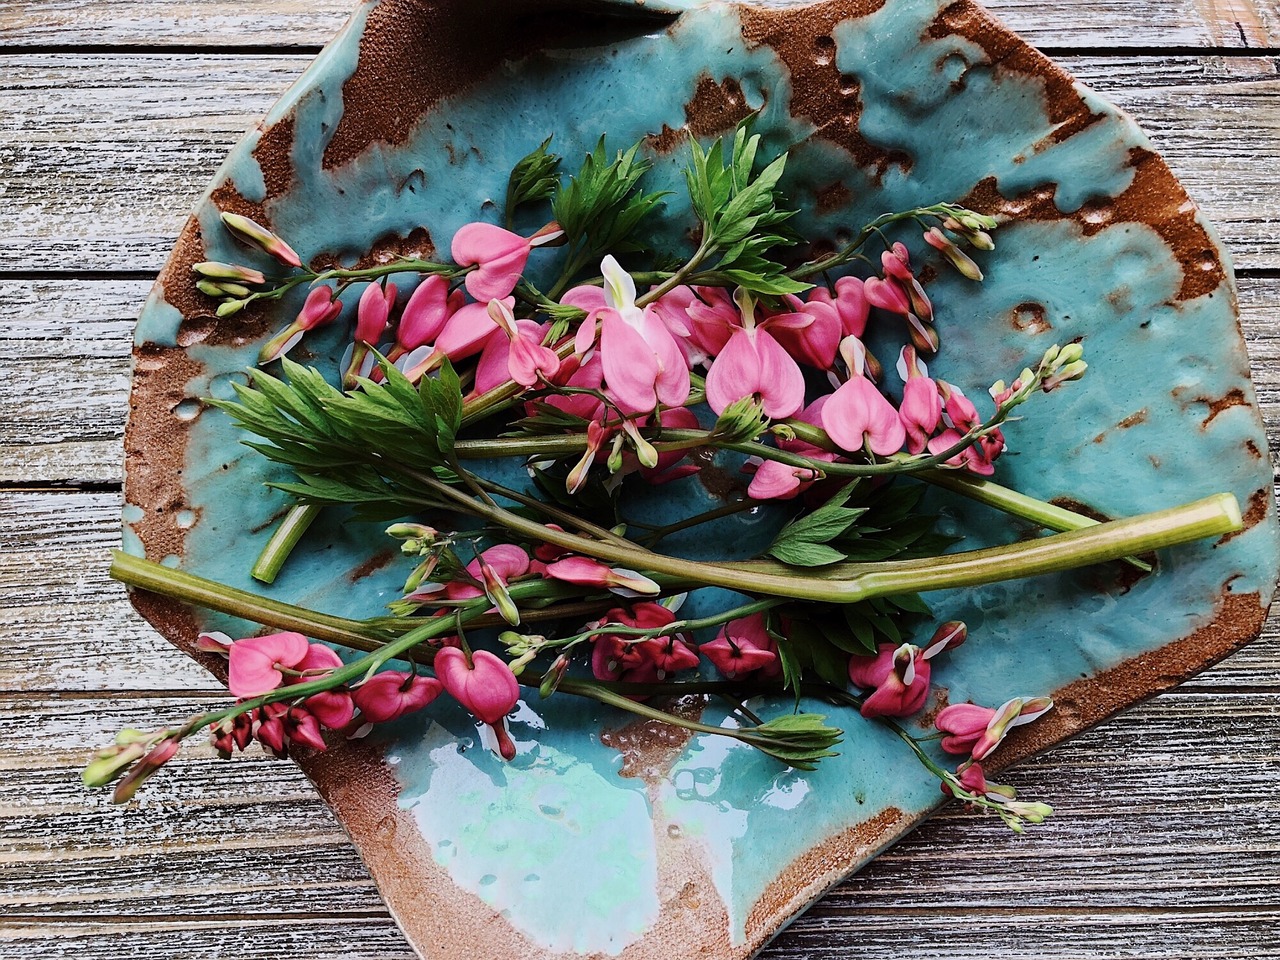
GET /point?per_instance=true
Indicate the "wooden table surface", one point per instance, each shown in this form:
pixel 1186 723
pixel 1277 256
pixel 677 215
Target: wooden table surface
pixel 113 116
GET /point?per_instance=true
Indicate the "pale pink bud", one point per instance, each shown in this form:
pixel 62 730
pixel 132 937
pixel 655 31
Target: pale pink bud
pixel 256 235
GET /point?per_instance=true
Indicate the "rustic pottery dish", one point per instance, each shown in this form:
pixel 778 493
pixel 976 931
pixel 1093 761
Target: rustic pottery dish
pixel 605 838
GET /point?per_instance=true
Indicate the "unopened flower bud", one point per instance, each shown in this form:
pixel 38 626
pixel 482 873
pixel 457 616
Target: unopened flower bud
pixel 421 572
pixel 497 593
pixel 211 288
pixel 614 462
pixel 230 308
pixel 646 453
pixel 213 270
pixel 413 531
pixel 948 636
pixel 955 256
pixel 1072 371
pixel 979 239
pixel 110 763
pixel 976 221
pixel 552 235
pixel 256 235
pixel 144 769
pixel 516 643
pixel 555 673
pixel 1070 353
pixel 1032 812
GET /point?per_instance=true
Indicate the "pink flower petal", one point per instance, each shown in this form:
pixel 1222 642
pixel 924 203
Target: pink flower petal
pixel 252 668
pixel 499 255
pixel 465 332
pixel 858 413
pixel 487 689
pixel 630 367
pixel 425 314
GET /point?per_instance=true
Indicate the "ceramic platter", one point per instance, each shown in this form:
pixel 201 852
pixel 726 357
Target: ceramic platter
pixel 609 838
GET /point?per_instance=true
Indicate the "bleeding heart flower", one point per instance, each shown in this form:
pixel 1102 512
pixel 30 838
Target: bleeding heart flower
pixel 921 408
pixel 977 730
pixel 319 309
pixel 859 415
pixel 589 572
pixel 528 361
pixel 498 255
pixel 642 363
pixel 754 364
pixel 505 560
pixel 485 686
pixel 811 332
pixel 850 303
pixel 744 646
pixel 256 662
pixel 782 481
pixel 392 693
pixel 425 315
pixel 898 677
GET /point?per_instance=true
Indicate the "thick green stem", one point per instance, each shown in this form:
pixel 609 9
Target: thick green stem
pixel 180 585
pixel 1112 540
pixel 354 634
pixel 849 583
pixel 1016 504
pixel 283 540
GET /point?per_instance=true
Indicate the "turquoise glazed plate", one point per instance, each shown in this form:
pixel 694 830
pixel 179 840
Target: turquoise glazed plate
pixel 613 839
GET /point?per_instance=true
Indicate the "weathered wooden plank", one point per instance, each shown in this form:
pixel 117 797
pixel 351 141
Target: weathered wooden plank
pixel 1143 804
pixel 99 171
pixel 898 935
pixel 236 23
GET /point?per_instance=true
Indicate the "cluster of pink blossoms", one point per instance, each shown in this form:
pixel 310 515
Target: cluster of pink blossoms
pixel 481 682
pixel 898 679
pixel 629 362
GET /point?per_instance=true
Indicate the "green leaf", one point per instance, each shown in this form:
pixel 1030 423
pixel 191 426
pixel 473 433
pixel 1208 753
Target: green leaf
pixel 799 553
pixel 799 740
pixel 534 178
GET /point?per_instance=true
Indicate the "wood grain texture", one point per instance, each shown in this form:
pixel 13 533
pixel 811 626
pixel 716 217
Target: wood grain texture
pixel 131 140
pixel 239 23
pixel 113 114
pixel 187 865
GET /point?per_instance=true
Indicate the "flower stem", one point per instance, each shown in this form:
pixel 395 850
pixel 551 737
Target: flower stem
pixel 147 575
pixel 1016 504
pixel 355 634
pixel 849 583
pixel 1212 516
pixel 283 539
pixel 666 286
pixel 850 250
